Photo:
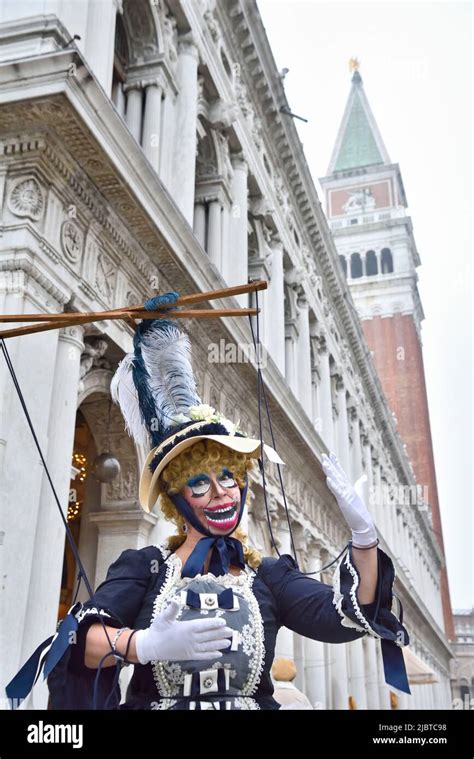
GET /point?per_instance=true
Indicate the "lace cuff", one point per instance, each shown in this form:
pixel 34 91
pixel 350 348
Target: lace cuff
pixel 377 618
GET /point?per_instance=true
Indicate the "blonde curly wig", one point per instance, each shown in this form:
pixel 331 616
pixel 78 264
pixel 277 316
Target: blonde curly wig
pixel 201 457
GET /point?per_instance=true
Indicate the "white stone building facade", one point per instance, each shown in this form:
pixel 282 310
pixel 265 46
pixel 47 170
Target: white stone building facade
pixel 151 153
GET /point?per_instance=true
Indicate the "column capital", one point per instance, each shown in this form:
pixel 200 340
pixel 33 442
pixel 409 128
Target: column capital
pixel 187 45
pixel 238 161
pixel 302 299
pixel 136 84
pixel 74 335
pixel 156 81
pixel 275 242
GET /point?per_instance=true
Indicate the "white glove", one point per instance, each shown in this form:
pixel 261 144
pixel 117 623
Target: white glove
pixel 170 640
pixel 350 501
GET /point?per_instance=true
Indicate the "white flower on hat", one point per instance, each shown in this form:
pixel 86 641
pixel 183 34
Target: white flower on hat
pixel 203 412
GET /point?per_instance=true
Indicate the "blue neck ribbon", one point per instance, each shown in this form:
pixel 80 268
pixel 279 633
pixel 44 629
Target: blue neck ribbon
pixel 225 550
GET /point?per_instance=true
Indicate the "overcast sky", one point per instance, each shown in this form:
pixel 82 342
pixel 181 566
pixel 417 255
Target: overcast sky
pixel 416 65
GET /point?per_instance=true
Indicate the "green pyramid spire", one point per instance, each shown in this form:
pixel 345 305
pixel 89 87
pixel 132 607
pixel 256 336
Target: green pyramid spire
pixel 359 142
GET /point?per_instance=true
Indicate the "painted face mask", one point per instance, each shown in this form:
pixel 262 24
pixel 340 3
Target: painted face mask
pixel 215 499
pixel 214 506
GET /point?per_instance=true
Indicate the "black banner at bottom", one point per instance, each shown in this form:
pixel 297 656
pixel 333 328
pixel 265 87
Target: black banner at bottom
pixel 383 733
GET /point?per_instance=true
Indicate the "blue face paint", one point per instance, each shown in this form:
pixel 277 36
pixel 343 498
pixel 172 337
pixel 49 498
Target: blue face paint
pixel 200 484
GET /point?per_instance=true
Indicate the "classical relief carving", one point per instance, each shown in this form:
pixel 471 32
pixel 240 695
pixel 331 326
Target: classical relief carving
pixel 226 163
pixel 125 487
pixel 132 299
pixel 170 34
pixel 206 162
pixel 141 30
pixel 72 240
pixel 105 276
pixel 242 97
pixel 26 198
pixel 222 113
pixel 211 21
pixel 93 356
pixel 281 193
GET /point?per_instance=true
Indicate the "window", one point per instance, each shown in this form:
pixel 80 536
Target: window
pixel 371 266
pixel 356 266
pixel 387 261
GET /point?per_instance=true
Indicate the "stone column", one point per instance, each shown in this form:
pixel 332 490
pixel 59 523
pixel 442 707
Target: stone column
pixel 214 233
pixel 119 98
pixel 99 39
pixel 368 486
pixel 291 337
pixel 384 692
pixel 327 425
pixel 134 108
pixel 225 228
pixel 235 257
pixel 378 499
pixel 118 530
pixel 303 370
pixel 386 513
pixel 395 527
pixel 184 154
pixel 357 468
pixel 151 123
pixel 343 431
pixel 314 654
pixel 285 642
pixel 315 411
pixel 339 678
pixel 371 674
pixel 33 358
pixel 50 532
pixel 276 305
pixel 199 224
pixel 168 116
pixel 357 673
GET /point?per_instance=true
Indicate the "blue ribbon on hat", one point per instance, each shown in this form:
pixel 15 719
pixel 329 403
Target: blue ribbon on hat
pixel 225 550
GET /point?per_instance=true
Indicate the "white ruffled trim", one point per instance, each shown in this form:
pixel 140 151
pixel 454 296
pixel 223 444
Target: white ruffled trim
pixel 244 582
pixel 94 610
pixel 338 599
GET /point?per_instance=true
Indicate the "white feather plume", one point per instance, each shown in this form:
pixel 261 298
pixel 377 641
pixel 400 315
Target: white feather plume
pixel 166 353
pixel 124 393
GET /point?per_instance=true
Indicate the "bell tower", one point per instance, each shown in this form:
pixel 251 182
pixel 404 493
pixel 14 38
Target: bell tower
pixel 366 208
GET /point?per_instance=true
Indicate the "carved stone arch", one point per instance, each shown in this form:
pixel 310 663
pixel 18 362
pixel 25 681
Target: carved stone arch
pixel 209 160
pixel 107 427
pixel 143 25
pixel 291 297
pixel 253 240
pixel 95 381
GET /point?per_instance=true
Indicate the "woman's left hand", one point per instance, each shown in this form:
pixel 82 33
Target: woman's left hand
pixel 350 502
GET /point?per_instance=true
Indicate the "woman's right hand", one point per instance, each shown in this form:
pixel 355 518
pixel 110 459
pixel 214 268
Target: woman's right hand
pixel 169 639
